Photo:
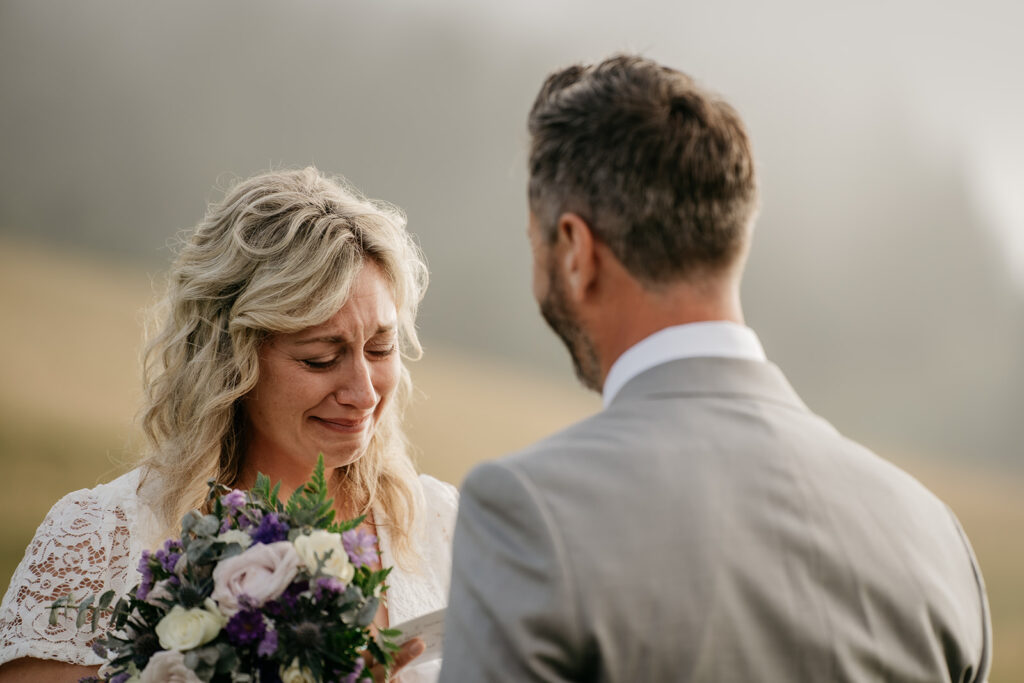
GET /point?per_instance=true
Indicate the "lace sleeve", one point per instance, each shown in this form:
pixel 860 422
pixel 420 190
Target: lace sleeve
pixel 82 547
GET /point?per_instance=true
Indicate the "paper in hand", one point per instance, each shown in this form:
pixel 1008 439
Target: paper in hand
pixel 429 627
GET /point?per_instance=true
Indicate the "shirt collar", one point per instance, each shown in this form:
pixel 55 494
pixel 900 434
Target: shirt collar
pixel 717 338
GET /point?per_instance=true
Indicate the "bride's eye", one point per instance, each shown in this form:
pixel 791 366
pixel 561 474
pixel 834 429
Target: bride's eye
pixel 320 363
pixel 382 350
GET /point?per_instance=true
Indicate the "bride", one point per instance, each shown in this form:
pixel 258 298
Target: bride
pixel 288 312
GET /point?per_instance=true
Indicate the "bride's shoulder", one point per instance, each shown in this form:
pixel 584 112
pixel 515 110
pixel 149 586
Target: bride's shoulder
pixel 441 503
pixel 117 497
pixel 84 545
pixel 108 513
pixel 439 494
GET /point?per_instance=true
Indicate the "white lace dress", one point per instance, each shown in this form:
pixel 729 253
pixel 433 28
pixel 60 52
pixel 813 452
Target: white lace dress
pixel 92 540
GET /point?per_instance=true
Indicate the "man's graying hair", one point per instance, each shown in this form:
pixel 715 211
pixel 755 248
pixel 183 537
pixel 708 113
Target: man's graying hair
pixel 661 170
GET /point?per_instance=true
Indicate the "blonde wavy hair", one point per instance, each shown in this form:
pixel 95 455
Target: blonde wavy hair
pixel 278 254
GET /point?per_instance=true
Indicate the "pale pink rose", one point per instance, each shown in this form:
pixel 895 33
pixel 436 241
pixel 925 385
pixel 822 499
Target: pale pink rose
pixel 261 573
pixel 168 666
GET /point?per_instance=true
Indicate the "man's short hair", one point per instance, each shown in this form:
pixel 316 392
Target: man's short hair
pixel 661 170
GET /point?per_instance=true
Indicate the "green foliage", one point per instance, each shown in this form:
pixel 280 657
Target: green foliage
pixel 88 610
pixel 309 505
pixel 265 494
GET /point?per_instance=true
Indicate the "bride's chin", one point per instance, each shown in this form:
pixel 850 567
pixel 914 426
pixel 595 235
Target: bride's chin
pixel 336 460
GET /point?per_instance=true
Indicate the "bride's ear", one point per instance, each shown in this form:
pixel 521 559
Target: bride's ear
pixel 576 255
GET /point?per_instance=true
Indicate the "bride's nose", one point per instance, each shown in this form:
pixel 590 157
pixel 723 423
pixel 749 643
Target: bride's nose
pixel 355 384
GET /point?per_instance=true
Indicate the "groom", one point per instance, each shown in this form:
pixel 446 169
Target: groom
pixel 705 526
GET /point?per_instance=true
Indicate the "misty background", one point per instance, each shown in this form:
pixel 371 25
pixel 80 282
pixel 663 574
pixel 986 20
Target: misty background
pixel 887 275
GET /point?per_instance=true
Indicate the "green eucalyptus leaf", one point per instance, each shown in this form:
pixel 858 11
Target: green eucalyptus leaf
pixel 190 519
pixel 106 599
pixel 230 550
pixel 198 549
pixel 207 525
pixel 367 612
pixel 96 612
pixel 348 616
pixel 83 610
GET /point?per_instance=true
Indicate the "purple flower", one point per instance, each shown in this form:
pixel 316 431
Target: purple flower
pixel 246 627
pixel 169 555
pixel 121 678
pixel 357 670
pixel 288 600
pixel 147 576
pixel 268 645
pixel 234 500
pixel 327 585
pixel 225 525
pixel 290 597
pixel 361 547
pixel 270 530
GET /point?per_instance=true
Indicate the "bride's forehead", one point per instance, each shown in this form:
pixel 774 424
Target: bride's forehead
pixel 367 311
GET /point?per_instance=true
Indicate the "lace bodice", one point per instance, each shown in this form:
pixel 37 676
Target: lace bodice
pixel 92 539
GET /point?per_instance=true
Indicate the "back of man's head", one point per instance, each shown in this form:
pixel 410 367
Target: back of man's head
pixel 661 170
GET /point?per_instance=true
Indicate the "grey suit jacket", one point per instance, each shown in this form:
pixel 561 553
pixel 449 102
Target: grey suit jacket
pixel 707 526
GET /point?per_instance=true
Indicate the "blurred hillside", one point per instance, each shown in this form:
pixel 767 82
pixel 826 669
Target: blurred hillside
pixel 68 389
pixel 886 276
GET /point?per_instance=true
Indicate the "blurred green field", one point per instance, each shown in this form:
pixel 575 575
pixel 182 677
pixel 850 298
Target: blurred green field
pixel 69 386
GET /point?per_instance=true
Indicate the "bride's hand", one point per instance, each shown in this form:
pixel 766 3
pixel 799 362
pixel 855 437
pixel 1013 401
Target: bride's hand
pixel 409 651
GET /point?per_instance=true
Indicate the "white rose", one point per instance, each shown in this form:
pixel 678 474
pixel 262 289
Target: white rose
pixel 168 667
pixel 184 629
pixel 296 673
pixel 314 547
pixel 236 536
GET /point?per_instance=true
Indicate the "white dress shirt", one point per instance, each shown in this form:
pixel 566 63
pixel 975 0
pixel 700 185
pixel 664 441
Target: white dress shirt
pixel 718 338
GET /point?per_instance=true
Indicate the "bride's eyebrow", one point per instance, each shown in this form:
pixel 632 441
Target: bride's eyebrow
pixel 335 339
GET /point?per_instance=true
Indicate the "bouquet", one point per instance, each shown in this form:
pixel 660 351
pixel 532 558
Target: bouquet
pixel 257 590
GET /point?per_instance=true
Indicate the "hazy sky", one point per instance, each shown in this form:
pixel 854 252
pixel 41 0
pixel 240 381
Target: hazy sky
pixel 952 68
pixel 887 276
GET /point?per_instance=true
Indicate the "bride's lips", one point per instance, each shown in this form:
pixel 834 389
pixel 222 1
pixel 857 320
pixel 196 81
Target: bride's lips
pixel 342 425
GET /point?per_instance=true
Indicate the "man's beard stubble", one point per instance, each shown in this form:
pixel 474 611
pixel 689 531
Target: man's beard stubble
pixel 561 320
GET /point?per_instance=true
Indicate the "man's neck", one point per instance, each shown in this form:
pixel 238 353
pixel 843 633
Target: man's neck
pixel 635 315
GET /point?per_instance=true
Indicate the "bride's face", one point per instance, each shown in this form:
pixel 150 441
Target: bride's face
pixel 324 389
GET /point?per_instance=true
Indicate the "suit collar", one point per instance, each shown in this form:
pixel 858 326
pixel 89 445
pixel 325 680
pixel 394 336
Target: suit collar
pixel 711 338
pixel 737 377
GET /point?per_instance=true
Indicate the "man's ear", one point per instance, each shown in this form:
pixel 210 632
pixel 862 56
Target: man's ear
pixel 577 255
